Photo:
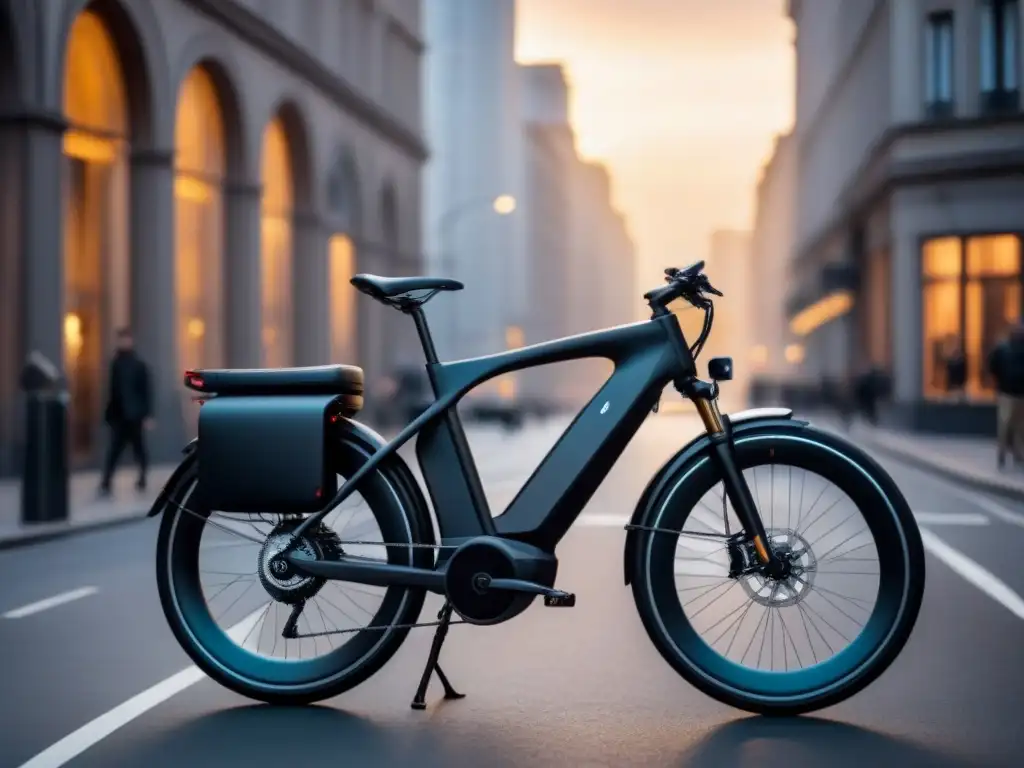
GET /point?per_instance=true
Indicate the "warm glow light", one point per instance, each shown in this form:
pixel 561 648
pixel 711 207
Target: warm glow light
pixel 193 190
pixel 514 337
pixel 91 149
pixel 196 328
pixel 794 354
pixel 73 334
pixel 507 389
pixel 759 354
pixel 341 256
pixel 276 245
pixel 504 204
pixel 823 311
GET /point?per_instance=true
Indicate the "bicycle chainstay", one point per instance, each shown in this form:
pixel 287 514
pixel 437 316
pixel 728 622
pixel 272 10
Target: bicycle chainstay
pixel 378 628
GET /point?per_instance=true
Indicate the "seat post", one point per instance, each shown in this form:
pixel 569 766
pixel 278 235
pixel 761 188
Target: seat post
pixel 420 319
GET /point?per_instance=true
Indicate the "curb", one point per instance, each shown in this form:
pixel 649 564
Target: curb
pixel 31 537
pixel 992 486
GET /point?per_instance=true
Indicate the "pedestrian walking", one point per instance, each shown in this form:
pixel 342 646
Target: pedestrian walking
pixel 1006 364
pixel 129 410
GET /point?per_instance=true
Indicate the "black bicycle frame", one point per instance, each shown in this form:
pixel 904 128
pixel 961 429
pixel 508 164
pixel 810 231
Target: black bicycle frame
pixel 647 356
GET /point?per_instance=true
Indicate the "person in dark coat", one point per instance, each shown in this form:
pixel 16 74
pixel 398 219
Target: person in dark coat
pixel 956 369
pixel 1006 364
pixel 129 409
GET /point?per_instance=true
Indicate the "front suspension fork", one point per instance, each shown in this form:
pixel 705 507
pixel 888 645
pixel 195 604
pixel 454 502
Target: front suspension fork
pixel 723 453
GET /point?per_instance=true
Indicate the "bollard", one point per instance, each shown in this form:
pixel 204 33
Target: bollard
pixel 44 486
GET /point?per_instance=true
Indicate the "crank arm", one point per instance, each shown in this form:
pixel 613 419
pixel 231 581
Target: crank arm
pixel 528 587
pixel 371 572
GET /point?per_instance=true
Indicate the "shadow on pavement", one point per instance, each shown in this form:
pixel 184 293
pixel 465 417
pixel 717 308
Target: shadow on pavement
pixel 264 735
pixel 808 741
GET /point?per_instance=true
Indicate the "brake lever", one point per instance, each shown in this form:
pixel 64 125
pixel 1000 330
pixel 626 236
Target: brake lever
pixel 705 285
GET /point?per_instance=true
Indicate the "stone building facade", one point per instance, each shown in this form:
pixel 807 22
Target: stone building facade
pixel 209 173
pixel 910 142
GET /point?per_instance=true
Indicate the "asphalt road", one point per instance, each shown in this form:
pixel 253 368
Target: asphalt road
pixel 579 687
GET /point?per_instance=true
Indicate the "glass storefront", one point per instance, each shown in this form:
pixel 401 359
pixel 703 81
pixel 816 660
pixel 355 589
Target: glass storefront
pixel 971 296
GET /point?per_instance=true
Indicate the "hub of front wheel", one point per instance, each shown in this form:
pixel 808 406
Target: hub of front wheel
pixel 788 582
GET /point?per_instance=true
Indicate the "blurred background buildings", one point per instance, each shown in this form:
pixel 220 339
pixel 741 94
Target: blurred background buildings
pixel 212 172
pixel 906 213
pixel 511 208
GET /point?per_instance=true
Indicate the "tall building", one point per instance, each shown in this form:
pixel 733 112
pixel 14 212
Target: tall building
pixel 729 270
pixel 473 229
pixel 775 355
pixel 908 232
pixel 210 173
pixel 550 160
pixel 580 257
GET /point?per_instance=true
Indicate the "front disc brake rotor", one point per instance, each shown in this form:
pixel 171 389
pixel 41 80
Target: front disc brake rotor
pixel 794 587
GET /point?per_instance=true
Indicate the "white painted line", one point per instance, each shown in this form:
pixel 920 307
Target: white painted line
pixel 984 580
pixel 90 734
pixel 951 518
pixel 50 602
pixel 598 520
pixel 991 506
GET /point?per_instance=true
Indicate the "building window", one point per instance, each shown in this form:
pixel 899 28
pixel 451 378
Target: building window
pixel 199 235
pixel 96 209
pixel 341 255
pixel 999 55
pixel 276 246
pixel 971 297
pixel 938 65
pixel 992 303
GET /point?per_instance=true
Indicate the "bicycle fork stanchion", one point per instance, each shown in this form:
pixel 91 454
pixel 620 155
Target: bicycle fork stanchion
pixel 419 700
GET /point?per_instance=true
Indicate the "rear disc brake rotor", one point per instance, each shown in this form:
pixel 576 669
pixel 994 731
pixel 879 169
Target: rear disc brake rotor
pixel 279 579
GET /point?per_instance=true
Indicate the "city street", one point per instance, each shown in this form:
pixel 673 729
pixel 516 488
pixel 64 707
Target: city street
pixel 86 651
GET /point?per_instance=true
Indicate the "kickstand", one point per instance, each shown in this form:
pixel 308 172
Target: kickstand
pixel 419 700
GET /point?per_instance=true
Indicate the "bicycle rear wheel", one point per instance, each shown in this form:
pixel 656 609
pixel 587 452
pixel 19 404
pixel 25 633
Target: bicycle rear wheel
pixel 231 619
pixel 792 645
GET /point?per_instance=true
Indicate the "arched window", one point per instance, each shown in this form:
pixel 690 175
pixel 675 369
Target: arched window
pixel 199 221
pixel 96 267
pixel 276 245
pixel 342 196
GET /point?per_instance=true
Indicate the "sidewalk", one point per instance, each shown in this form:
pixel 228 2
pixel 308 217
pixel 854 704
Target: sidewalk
pixel 969 460
pixel 85 510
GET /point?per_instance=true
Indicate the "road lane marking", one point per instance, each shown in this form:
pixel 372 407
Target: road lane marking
pixel 599 520
pixel 90 734
pixel 951 518
pixel 973 573
pixel 994 508
pixel 50 602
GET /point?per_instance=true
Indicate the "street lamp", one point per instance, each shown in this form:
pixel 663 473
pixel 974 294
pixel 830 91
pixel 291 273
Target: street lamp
pixel 503 205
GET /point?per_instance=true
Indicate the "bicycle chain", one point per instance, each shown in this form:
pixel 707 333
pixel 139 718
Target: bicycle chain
pixel 384 628
pixel 416 625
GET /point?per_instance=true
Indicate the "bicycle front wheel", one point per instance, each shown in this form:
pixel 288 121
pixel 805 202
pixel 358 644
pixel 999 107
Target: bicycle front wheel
pixel 805 641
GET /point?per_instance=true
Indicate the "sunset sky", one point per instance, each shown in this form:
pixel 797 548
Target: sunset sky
pixel 680 98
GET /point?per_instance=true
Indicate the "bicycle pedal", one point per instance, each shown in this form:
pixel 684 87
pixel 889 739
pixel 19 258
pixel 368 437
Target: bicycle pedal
pixel 560 600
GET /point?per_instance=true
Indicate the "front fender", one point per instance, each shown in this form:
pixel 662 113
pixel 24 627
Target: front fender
pixel 393 467
pixel 738 423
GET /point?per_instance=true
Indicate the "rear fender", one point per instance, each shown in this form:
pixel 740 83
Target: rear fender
pixel 395 470
pixel 743 422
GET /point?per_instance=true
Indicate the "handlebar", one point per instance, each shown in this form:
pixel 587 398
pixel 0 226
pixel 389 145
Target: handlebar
pixel 691 285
